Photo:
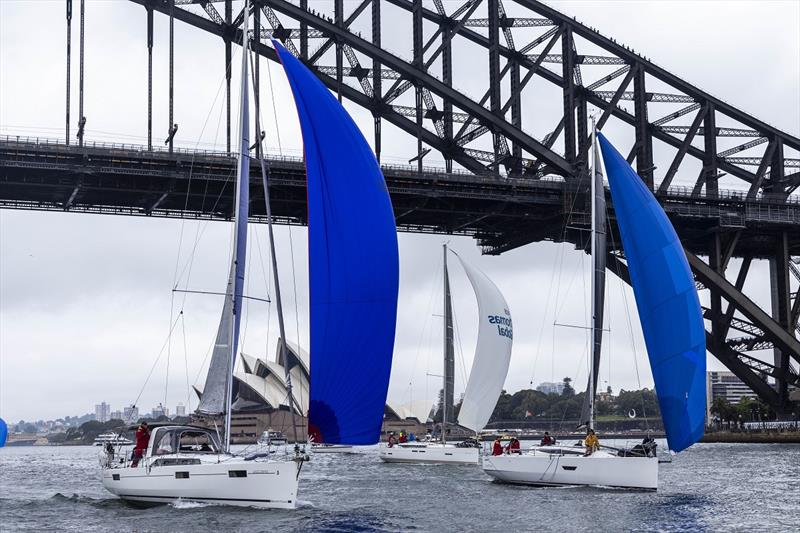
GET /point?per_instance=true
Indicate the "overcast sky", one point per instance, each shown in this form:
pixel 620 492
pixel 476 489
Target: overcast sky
pixel 86 301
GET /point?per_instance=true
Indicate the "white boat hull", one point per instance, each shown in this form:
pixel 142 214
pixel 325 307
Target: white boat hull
pixel 332 448
pixel 599 469
pixel 429 453
pixel 265 484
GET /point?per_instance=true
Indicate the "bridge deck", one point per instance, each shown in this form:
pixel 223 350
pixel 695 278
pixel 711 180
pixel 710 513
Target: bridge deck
pixel 500 212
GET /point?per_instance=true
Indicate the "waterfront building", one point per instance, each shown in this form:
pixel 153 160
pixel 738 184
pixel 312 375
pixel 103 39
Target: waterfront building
pixel 116 415
pixel 725 384
pixel 130 414
pixel 180 410
pixel 549 387
pixel 102 412
pixel 159 412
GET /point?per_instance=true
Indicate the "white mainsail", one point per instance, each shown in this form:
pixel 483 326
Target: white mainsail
pixel 492 353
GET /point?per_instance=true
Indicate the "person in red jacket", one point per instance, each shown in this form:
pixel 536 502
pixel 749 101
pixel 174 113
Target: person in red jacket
pixel 142 440
pixel 497 447
pixel 513 446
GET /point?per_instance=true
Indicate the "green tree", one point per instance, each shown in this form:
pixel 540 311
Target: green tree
pixel 721 407
pixel 644 402
pixel 568 390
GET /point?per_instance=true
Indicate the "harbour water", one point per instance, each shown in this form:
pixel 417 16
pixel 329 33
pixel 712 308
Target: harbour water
pixel 710 487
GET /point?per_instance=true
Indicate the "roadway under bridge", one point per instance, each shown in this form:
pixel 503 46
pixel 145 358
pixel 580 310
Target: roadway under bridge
pixel 503 182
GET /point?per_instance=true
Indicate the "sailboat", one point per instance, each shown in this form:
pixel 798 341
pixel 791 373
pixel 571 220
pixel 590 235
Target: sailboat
pixel 672 323
pixel 353 277
pixel 487 375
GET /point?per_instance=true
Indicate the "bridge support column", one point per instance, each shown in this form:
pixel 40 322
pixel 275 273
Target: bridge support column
pixel 516 114
pixel 149 78
pixel 418 62
pixel 338 19
pixel 257 76
pixel 304 32
pixel 494 71
pixel 718 331
pixel 568 73
pixel 81 118
pixel 447 78
pixel 227 37
pixel 377 88
pixel 69 54
pixel 171 130
pixel 781 307
pixel 644 142
pixel 709 175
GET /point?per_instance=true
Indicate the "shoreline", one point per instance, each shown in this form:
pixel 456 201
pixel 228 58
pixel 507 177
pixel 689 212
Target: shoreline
pixel 729 437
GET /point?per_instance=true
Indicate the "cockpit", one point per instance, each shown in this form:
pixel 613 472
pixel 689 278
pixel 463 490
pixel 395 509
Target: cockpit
pixel 173 440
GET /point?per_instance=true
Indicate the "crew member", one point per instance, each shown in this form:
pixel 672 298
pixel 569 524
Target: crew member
pixel 392 439
pixel 142 440
pixel 403 437
pixel 591 442
pixel 513 446
pixel 547 440
pixel 497 447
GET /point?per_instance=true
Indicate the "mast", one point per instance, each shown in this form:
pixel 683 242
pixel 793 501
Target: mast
pixel 240 235
pixel 599 248
pixel 449 356
pixel 591 391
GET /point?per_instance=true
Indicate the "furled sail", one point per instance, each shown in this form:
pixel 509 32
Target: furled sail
pixel 666 297
pixel 492 353
pixel 353 267
pixel 215 392
pixel 598 282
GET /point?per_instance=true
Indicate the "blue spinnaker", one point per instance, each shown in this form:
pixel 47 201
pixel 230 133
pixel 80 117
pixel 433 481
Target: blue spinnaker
pixel 3 432
pixel 666 297
pixel 353 267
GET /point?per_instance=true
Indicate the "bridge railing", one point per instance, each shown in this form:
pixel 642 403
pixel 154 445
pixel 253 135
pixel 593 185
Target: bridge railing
pixel 412 172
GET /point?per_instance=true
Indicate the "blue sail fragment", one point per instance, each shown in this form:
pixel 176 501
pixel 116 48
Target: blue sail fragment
pixel 353 267
pixel 666 297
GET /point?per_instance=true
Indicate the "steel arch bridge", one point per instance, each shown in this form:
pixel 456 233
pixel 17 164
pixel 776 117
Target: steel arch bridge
pixel 517 47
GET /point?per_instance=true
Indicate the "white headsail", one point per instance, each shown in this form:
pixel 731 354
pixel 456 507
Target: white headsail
pixel 492 353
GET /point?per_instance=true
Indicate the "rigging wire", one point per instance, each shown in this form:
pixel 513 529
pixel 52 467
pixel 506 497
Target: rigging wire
pixel 158 358
pixel 274 109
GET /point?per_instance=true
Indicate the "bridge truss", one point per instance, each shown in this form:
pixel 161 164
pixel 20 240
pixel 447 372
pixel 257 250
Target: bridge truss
pixel 677 132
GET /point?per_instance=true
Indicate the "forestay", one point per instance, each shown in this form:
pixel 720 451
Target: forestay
pixel 666 297
pixel 353 267
pixel 492 353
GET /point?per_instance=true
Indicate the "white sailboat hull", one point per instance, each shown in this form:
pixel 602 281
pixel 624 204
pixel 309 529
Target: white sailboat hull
pixel 264 484
pixel 331 448
pixel 599 469
pixel 429 453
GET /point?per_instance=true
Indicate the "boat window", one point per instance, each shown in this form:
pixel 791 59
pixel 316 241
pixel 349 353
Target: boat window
pixel 195 441
pixel 175 461
pixel 164 443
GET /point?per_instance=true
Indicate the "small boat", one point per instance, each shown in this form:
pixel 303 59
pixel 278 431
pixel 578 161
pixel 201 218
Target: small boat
pixel 488 373
pixel 353 278
pixel 274 438
pixel 111 438
pixel 672 323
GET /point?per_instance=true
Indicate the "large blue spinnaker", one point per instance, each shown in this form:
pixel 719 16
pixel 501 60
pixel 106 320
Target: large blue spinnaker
pixel 353 267
pixel 666 297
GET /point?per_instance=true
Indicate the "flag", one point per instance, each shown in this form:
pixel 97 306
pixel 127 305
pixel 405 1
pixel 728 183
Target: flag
pixel 528 414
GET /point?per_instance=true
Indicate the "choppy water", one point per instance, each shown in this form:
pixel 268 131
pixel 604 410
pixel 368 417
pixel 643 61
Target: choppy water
pixel 710 487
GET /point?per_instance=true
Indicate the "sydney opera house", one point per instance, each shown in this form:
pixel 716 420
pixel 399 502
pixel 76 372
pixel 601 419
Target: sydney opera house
pixel 262 400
